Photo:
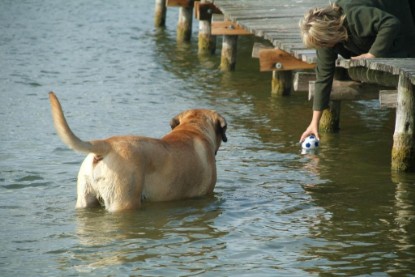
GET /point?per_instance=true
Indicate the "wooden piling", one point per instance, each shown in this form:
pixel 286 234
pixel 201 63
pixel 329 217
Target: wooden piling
pixel 228 55
pixel 206 41
pixel 160 13
pixel 403 150
pixel 330 119
pixel 281 82
pixel 184 24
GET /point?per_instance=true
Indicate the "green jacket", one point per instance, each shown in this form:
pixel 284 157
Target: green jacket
pixel 383 28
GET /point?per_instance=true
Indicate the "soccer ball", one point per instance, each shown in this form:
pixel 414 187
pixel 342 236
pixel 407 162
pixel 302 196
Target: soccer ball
pixel 311 142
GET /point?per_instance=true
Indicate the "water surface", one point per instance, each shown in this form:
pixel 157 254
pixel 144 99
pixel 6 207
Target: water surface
pixel 275 212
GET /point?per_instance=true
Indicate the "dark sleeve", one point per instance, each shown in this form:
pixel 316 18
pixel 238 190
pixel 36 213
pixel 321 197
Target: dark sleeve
pixel 326 59
pixel 373 22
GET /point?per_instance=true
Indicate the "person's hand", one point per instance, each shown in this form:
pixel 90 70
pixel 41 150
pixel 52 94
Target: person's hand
pixel 312 129
pixel 364 56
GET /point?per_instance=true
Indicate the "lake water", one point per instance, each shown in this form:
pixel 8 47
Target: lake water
pixel 275 212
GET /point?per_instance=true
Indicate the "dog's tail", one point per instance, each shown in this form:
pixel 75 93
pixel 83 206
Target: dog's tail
pixel 98 147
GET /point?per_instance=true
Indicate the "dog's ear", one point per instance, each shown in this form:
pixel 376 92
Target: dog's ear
pixel 221 126
pixel 174 122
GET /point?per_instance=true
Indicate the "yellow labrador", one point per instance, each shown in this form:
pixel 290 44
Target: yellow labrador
pixel 121 171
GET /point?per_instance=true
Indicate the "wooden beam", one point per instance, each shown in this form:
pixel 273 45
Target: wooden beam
pixel 205 10
pixel 302 80
pixel 369 75
pixel 341 90
pixel 228 28
pixel 276 59
pixel 179 3
pixel 388 98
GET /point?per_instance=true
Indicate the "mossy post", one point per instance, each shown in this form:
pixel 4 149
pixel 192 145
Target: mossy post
pixel 228 55
pixel 206 41
pixel 281 82
pixel 403 150
pixel 184 25
pixel 330 119
pixel 160 13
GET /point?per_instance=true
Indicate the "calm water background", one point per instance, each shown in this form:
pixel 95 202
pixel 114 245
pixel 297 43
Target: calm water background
pixel 275 212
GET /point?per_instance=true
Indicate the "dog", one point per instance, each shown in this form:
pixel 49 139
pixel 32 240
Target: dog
pixel 121 171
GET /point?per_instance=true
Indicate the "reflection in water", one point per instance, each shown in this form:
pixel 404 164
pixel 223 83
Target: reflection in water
pixel 364 233
pixel 161 233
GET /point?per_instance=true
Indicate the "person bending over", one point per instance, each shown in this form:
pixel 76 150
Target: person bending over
pixel 354 29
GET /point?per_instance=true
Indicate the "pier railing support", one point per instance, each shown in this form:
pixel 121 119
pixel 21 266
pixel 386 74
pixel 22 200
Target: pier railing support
pixel 206 41
pixel 228 55
pixel 330 119
pixel 403 150
pixel 230 31
pixel 160 13
pixel 281 82
pixel 184 25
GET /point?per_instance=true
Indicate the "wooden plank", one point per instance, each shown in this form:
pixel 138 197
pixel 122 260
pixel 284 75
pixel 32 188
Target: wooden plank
pixel 300 53
pixel 276 59
pixel 341 90
pixel 179 3
pixel 228 28
pixel 388 98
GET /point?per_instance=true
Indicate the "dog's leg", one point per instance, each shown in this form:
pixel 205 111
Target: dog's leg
pixel 87 198
pixel 127 196
pixel 86 195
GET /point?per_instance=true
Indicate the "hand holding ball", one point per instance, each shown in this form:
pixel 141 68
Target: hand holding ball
pixel 310 142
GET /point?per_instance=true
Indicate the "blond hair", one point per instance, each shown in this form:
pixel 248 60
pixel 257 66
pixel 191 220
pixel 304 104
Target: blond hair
pixel 323 27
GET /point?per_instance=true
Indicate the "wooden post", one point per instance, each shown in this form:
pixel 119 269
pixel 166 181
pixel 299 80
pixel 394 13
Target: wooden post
pixel 228 55
pixel 403 150
pixel 281 82
pixel 330 119
pixel 206 41
pixel 184 25
pixel 160 13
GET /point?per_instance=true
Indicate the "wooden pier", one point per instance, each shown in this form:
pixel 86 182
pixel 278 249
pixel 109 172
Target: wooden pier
pixel 276 22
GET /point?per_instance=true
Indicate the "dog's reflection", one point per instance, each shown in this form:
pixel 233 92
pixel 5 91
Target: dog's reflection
pixel 158 231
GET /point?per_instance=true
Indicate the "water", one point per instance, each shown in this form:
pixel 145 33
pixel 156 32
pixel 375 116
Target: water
pixel 275 212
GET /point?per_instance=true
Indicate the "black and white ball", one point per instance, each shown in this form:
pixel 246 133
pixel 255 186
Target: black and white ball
pixel 311 142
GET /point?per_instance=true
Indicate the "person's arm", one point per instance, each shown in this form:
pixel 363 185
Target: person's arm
pixel 326 65
pixel 364 56
pixel 326 59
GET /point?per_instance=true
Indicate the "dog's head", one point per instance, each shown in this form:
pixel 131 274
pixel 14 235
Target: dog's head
pixel 203 118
